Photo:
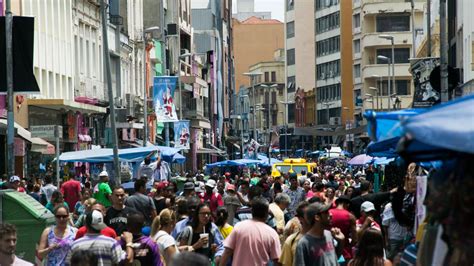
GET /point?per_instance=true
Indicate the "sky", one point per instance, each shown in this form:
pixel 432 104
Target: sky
pixel 275 6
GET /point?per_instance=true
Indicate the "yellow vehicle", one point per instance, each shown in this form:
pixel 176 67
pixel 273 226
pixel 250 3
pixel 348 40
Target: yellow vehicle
pixel 292 165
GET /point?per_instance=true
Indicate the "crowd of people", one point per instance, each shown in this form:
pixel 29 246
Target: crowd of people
pixel 329 217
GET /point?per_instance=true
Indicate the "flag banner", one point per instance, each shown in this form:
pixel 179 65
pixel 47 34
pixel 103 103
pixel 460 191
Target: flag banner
pixel 163 98
pixel 251 149
pixel 181 134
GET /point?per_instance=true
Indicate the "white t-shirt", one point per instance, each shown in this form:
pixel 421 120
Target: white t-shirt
pixel 165 240
pixel 20 262
pixel 394 229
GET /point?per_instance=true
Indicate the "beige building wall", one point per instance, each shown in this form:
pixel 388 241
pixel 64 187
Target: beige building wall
pixel 304 44
pixel 371 72
pixel 255 40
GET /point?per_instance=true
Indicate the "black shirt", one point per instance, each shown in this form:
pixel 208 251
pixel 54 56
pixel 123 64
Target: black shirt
pixel 117 219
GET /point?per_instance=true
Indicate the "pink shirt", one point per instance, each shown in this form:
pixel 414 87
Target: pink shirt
pixel 253 243
pixel 72 192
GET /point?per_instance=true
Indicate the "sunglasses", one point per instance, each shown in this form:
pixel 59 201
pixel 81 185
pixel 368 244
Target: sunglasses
pixel 62 216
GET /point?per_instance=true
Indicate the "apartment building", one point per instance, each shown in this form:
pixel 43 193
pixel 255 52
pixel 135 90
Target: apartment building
pixel 300 51
pixel 375 24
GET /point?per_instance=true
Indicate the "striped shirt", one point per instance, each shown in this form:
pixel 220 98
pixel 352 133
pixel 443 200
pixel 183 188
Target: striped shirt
pixel 107 250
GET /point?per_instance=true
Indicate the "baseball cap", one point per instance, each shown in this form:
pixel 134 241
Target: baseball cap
pixel 317 208
pixel 227 174
pixel 15 178
pixel 95 219
pixel 188 186
pixel 162 185
pixel 231 187
pixel 293 176
pixel 211 183
pixel 367 206
pixel 104 173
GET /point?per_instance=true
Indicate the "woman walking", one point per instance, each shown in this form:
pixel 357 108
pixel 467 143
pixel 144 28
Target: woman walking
pixel 55 242
pixel 161 229
pixel 370 250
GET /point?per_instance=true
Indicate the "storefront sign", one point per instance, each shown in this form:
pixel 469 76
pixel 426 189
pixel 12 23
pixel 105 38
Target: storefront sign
pixel 163 98
pixel 181 134
pixel 45 132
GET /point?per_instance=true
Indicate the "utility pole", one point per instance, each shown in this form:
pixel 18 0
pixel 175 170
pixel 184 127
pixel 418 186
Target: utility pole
pixel 108 76
pixel 9 67
pixel 428 29
pixel 444 51
pixel 413 34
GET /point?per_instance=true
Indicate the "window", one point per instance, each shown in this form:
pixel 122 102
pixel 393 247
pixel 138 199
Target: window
pixel 322 4
pixel 356 18
pixel 357 46
pixel 329 93
pixel 357 71
pixel 273 76
pixel 328 70
pixel 328 46
pixel 393 23
pixel 291 113
pixel 290 29
pixel 290 5
pixel 267 76
pixel 291 84
pixel 401 55
pixel 402 87
pixel 290 57
pixel 327 23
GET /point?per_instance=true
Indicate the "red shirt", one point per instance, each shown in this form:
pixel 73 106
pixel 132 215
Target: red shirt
pixel 214 199
pixel 342 219
pixel 108 231
pixel 72 193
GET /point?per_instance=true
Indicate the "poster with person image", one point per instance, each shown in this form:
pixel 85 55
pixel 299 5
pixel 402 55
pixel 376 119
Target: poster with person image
pixel 425 95
pixel 181 134
pixel 163 98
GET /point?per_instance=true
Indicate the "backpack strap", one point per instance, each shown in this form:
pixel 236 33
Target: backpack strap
pixel 190 237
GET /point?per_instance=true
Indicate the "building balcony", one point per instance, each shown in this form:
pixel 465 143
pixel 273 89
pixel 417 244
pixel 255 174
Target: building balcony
pixel 373 7
pixel 372 39
pixel 194 108
pixel 401 70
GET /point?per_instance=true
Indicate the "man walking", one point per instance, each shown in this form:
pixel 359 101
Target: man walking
pixel 47 189
pixel 107 250
pixel 103 190
pixel 346 222
pixel 71 190
pixel 252 242
pixel 117 215
pixel 141 203
pixel 317 247
pixel 8 239
pixel 296 194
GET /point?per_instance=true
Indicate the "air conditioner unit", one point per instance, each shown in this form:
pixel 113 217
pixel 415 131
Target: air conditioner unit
pixel 334 121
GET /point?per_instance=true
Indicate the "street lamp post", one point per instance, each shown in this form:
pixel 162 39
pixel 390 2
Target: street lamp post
pixel 252 76
pixel 286 124
pixel 392 42
pixel 371 100
pixel 269 87
pixel 377 94
pixel 242 125
pixel 145 89
pixel 327 104
pixel 384 58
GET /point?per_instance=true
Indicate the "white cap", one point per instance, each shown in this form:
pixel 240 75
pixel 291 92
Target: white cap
pixel 211 183
pixel 95 219
pixel 104 173
pixel 14 178
pixel 367 206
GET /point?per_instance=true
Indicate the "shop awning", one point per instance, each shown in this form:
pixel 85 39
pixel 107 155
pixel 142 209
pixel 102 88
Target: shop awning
pixel 106 155
pixel 213 150
pixel 19 130
pixel 58 104
pixel 42 146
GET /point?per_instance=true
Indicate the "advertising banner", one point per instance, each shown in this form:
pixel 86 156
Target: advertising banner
pixel 181 134
pixel 251 149
pixel 163 98
pixel 425 95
